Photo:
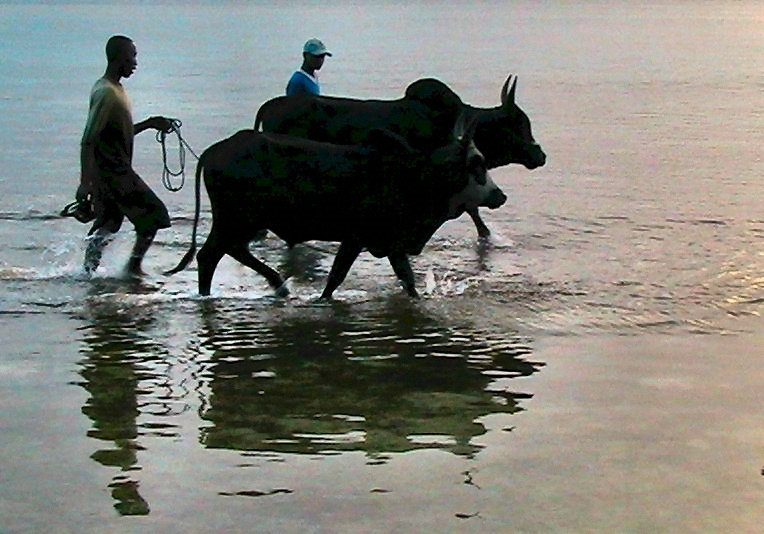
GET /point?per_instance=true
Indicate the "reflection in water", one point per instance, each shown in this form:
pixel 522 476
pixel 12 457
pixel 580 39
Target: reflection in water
pixel 280 377
pixel 116 345
pixel 333 378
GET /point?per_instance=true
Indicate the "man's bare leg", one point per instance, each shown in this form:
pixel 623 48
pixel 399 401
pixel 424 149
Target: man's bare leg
pixel 96 243
pixel 142 244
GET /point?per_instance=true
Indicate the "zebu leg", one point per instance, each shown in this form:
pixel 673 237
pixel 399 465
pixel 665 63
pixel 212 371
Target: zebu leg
pixel 402 268
pixel 208 258
pixel 346 255
pixel 242 254
pixel 482 229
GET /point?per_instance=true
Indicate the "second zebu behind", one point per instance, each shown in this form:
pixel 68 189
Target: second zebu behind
pixel 424 117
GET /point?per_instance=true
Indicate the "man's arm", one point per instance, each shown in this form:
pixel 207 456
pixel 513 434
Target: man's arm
pixel 162 124
pixel 87 171
pixel 101 106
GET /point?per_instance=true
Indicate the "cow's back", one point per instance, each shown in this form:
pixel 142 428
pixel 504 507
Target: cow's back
pixel 425 119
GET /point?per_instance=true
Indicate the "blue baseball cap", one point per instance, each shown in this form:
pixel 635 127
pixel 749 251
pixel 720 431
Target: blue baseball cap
pixel 314 47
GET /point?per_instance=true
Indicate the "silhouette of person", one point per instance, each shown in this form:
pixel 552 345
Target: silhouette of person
pixel 107 175
pixel 305 80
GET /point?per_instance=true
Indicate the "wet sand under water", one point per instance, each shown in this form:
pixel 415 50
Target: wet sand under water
pixel 615 433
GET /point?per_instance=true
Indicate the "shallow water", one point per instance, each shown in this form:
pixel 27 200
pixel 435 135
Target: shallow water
pixel 138 398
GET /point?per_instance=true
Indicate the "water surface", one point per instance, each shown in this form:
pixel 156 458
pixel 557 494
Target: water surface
pixel 599 353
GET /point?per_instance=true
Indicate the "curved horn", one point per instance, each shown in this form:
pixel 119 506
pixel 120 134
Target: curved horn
pixel 507 92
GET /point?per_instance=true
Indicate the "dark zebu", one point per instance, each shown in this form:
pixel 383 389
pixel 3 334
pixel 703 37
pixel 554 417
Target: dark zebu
pixel 424 117
pixel 379 195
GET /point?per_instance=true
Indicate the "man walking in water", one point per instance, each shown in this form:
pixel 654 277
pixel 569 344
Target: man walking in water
pixel 107 174
pixel 305 80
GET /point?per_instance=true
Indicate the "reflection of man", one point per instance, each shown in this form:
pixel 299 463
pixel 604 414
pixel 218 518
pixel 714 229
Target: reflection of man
pixel 305 80
pixel 106 159
pixel 111 374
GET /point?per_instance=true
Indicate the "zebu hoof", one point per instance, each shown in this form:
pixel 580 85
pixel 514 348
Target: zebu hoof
pixel 282 291
pixel 483 232
pixel 411 291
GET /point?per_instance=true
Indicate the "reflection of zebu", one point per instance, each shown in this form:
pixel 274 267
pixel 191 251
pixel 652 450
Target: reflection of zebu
pixel 314 383
pixel 377 195
pixel 424 117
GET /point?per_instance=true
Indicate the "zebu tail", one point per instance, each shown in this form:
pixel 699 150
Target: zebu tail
pixel 191 254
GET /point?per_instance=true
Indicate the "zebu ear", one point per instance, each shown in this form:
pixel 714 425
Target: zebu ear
pixel 464 129
pixel 508 93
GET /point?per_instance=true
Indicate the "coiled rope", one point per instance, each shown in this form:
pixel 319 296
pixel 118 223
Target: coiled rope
pixel 168 174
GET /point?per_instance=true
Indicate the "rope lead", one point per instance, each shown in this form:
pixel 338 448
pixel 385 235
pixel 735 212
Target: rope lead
pixel 167 173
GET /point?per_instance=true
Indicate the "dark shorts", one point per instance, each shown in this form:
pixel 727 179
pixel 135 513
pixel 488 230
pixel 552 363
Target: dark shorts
pixel 128 196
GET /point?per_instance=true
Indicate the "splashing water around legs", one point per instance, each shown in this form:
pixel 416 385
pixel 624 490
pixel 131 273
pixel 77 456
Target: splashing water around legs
pixel 96 243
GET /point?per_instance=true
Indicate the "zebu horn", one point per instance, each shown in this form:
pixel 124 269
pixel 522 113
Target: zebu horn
pixel 507 92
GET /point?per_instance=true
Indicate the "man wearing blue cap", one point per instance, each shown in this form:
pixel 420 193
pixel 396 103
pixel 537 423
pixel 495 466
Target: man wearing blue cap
pixel 305 80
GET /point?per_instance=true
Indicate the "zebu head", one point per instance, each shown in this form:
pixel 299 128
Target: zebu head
pixel 465 172
pixel 504 133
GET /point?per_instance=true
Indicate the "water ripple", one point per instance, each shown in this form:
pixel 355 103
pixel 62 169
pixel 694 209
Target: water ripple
pixel 313 380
